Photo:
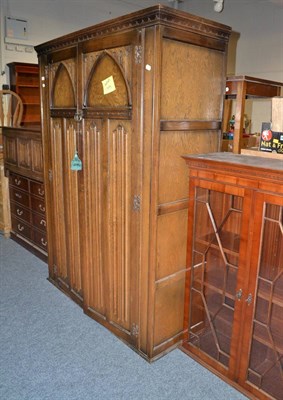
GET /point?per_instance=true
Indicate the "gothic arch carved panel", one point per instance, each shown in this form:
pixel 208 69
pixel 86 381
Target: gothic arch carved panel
pixel 107 85
pixel 63 93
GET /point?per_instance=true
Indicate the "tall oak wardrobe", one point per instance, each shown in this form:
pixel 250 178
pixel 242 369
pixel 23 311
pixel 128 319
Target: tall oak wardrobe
pixel 122 101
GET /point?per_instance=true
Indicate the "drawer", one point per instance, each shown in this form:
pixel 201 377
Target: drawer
pixel 39 221
pixel 20 212
pixel 21 227
pixel 40 239
pixel 37 188
pixel 38 205
pixel 19 182
pixel 19 196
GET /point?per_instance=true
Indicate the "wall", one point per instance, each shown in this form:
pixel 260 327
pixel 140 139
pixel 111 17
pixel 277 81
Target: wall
pixel 256 45
pixel 255 49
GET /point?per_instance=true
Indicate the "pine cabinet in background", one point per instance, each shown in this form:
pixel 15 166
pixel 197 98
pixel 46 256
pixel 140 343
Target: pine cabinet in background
pixel 234 285
pixel 122 101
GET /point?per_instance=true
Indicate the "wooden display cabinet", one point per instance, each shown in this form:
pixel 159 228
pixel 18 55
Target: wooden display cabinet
pixel 24 80
pixel 241 88
pixel 128 97
pixel 234 284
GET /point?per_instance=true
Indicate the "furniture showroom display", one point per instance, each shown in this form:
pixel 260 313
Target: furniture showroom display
pixel 122 101
pixel 240 88
pixel 234 285
pixel 23 163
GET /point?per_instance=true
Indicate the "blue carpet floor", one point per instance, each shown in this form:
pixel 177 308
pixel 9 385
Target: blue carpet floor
pixel 51 350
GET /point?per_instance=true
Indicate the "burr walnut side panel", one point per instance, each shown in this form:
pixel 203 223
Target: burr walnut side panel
pixel 173 144
pixel 171 244
pixel 169 299
pixel 191 81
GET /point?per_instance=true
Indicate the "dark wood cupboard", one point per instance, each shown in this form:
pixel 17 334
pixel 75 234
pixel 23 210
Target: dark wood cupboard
pixel 23 163
pixel 122 101
pixel 234 284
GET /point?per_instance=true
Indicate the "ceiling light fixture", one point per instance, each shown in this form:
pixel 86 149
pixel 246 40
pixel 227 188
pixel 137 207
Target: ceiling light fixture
pixel 218 5
pixel 175 3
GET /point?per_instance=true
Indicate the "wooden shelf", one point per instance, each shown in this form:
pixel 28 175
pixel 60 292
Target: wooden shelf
pixel 24 80
pixel 262 336
pixel 230 242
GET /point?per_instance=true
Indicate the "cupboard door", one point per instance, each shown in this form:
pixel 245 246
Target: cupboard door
pixel 65 229
pixel 64 216
pixel 108 197
pixel 215 226
pixel 265 363
pixel 109 181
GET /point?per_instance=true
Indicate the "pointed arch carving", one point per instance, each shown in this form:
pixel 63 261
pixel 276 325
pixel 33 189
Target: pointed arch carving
pixel 63 93
pixel 107 66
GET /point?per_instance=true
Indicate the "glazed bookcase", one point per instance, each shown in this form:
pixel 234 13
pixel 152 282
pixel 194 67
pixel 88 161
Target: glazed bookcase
pixel 234 284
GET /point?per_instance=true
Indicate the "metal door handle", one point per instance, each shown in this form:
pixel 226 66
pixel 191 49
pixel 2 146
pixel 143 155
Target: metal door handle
pixel 249 299
pixel 78 116
pixel 239 294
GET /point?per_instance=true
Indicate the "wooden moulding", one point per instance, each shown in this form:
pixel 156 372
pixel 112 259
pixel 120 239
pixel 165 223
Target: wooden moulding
pixel 150 16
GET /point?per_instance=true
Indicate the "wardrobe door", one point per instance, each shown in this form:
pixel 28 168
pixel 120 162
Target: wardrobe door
pixel 64 214
pixel 110 180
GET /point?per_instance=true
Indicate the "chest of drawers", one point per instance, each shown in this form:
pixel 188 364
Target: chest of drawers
pixel 28 209
pixel 24 168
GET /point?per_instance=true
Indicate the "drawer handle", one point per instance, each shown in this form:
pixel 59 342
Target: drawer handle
pixel 19 212
pixel 41 207
pixel 18 195
pixel 43 222
pixel 20 227
pixel 18 181
pixel 41 192
pixel 43 242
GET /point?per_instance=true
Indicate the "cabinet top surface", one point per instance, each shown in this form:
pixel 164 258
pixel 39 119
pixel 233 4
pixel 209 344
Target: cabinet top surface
pixel 23 129
pixel 241 78
pixel 240 160
pixel 156 15
pixel 21 64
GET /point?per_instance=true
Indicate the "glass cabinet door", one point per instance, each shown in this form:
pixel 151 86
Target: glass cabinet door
pixel 217 225
pixel 265 365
